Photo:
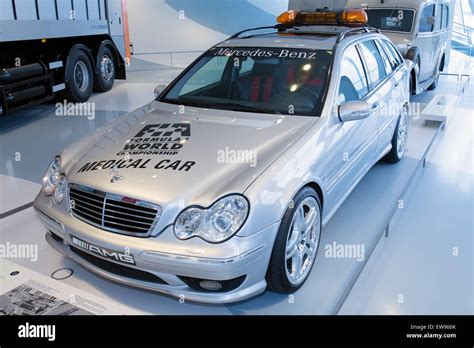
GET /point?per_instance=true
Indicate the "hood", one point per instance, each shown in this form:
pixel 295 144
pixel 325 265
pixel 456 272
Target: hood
pixel 179 159
pixel 402 40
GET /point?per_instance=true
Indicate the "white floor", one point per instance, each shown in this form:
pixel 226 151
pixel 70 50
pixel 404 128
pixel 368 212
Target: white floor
pixel 414 271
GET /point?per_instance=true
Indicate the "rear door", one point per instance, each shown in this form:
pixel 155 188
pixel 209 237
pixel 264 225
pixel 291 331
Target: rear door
pixel 427 41
pixel 382 87
pixel 394 99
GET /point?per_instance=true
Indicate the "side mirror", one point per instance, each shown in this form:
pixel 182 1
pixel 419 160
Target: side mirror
pixel 159 89
pixel 356 110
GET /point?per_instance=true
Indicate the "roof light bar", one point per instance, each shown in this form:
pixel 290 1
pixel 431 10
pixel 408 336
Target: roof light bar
pixel 355 17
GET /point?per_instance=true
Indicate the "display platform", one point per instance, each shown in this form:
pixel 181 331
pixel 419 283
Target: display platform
pixel 352 230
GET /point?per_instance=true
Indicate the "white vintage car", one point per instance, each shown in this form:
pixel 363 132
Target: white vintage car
pixel 420 29
pixel 160 199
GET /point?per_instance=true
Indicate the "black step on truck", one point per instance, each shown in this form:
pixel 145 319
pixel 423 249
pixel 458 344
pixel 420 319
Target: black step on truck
pixel 60 49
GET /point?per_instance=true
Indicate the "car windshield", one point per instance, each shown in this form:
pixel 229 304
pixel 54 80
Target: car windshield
pixel 391 19
pixel 264 80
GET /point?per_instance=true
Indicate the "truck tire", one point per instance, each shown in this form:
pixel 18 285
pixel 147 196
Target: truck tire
pixel 433 86
pixel 79 76
pixel 414 55
pixel 104 76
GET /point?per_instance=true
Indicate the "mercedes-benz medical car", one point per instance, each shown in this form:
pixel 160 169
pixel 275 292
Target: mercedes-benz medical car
pixel 420 28
pixel 220 187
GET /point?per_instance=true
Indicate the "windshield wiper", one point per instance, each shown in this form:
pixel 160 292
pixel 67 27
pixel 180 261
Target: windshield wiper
pixel 248 108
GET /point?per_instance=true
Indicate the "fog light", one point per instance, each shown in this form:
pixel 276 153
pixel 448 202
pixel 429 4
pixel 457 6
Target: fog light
pixel 210 285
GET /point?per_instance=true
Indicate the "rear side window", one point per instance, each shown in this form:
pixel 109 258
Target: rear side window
pixel 353 84
pixel 439 17
pixel 374 63
pixel 427 12
pixel 445 17
pixel 386 61
pixel 392 54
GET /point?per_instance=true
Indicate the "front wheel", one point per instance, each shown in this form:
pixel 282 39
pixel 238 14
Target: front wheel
pixel 296 244
pixel 399 139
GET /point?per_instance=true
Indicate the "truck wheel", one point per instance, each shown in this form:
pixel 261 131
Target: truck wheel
pixel 78 77
pixel 296 244
pixel 433 86
pixel 105 70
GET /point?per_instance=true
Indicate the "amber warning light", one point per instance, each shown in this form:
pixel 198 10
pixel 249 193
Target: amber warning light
pixel 347 18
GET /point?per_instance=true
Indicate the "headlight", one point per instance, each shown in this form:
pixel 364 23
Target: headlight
pixel 61 188
pixel 51 178
pixel 215 224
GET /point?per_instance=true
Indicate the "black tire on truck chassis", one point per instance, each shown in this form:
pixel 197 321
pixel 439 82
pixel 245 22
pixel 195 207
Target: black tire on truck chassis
pixel 104 76
pixel 79 77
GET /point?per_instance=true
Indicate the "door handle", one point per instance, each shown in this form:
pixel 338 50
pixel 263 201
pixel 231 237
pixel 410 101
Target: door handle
pixel 375 106
pixel 397 84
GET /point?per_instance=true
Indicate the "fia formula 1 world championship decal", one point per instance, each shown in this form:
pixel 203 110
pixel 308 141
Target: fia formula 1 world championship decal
pixel 158 139
pixel 165 139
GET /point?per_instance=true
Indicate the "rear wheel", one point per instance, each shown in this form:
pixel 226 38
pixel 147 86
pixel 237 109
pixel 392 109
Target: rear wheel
pixel 433 86
pixel 105 70
pixel 296 244
pixel 78 76
pixel 399 139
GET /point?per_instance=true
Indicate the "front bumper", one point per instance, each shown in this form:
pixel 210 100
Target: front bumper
pixel 164 257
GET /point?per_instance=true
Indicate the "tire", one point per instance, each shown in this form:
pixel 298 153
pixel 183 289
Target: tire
pixel 433 86
pixel 104 76
pixel 78 76
pixel 399 139
pixel 279 277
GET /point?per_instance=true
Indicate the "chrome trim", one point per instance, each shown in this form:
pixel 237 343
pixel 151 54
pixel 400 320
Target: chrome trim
pixel 108 199
pixel 146 255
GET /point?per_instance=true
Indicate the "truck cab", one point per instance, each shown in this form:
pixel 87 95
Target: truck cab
pixel 420 29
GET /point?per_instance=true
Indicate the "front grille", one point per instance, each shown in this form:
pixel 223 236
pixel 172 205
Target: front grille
pixel 117 269
pixel 112 212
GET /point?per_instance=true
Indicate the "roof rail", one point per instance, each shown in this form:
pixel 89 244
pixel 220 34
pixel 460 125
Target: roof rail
pixel 284 27
pixel 365 29
pixel 236 35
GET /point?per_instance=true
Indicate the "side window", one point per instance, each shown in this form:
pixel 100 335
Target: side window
pixel 439 17
pixel 247 66
pixel 445 21
pixel 209 74
pixel 353 83
pixel 427 12
pixel 374 63
pixel 388 63
pixel 392 53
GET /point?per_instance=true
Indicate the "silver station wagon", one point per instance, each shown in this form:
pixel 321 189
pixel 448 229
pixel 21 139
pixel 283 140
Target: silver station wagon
pixel 220 187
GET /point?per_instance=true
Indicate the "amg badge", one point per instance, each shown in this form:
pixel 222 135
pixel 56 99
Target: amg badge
pixel 123 257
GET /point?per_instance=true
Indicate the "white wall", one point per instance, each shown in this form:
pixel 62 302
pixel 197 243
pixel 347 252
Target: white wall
pixel 158 27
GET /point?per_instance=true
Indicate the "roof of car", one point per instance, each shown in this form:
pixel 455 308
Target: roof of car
pixel 313 41
pixel 390 3
pixel 325 40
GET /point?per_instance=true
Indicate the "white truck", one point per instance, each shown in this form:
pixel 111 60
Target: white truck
pixel 420 29
pixel 65 48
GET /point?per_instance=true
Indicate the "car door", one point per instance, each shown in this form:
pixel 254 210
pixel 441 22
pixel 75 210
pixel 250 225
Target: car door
pixel 391 94
pixel 380 86
pixel 357 139
pixel 425 41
